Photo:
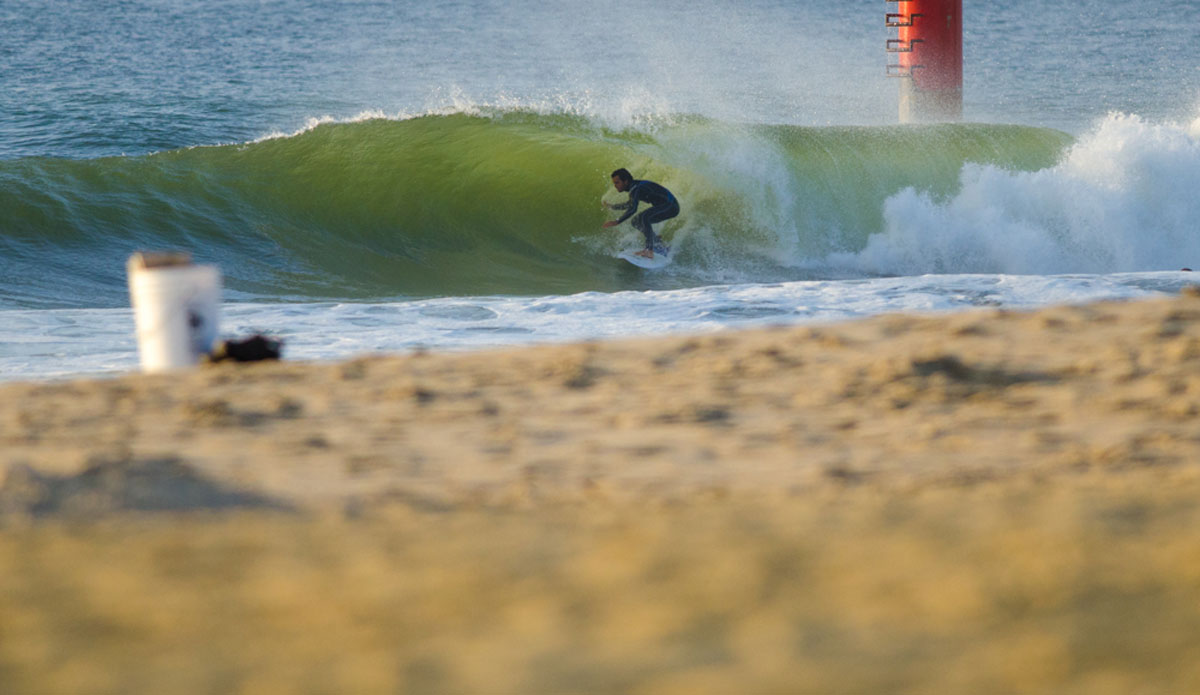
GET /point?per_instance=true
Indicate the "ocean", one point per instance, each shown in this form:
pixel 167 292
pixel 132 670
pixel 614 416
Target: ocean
pixel 393 176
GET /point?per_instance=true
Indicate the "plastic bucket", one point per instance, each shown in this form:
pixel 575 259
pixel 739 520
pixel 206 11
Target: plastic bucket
pixel 176 309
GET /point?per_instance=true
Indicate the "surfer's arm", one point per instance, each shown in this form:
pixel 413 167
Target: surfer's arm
pixel 618 206
pixel 630 206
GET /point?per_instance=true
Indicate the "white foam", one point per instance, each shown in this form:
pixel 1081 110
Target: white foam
pixel 63 343
pixel 316 121
pixel 1122 200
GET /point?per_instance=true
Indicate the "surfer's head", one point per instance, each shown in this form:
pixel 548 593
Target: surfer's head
pixel 622 180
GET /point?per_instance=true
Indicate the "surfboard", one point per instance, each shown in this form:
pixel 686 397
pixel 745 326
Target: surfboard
pixel 660 260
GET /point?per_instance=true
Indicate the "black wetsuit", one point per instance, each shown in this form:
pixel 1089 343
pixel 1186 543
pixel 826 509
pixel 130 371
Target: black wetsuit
pixel 663 206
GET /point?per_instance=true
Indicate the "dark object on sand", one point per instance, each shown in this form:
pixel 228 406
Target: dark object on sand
pixel 252 349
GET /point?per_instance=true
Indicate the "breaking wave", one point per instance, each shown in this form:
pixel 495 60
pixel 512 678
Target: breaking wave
pixel 508 202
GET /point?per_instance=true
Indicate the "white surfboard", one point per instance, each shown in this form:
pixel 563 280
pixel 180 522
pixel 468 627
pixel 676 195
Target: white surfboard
pixel 660 260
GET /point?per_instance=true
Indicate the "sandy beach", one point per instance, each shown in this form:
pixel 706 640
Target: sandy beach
pixel 985 502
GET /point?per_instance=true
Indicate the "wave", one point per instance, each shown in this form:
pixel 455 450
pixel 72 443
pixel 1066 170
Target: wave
pixel 503 202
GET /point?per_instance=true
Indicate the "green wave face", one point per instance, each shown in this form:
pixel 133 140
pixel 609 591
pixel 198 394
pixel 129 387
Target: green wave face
pixel 461 204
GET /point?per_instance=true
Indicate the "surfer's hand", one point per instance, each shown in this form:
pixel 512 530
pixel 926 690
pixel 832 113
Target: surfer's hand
pixel 605 204
pixel 610 223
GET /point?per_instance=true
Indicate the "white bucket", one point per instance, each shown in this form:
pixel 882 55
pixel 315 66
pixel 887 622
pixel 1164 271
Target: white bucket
pixel 175 307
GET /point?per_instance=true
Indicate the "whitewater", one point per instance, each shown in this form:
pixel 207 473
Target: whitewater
pixel 458 206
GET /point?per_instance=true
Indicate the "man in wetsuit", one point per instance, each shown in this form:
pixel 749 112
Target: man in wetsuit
pixel 663 206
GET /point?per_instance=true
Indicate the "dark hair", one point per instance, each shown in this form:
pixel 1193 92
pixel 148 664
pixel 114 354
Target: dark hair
pixel 622 174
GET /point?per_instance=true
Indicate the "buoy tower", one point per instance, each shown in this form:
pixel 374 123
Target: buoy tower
pixel 929 58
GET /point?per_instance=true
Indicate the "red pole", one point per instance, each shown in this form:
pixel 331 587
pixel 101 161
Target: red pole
pixel 930 50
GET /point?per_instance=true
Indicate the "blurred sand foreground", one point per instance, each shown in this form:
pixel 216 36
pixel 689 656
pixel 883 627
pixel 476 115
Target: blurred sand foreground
pixel 989 502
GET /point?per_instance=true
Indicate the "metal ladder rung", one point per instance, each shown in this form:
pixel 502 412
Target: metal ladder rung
pixel 901 46
pixel 900 19
pixel 902 70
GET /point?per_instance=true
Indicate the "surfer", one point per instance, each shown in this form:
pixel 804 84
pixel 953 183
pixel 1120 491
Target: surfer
pixel 663 206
